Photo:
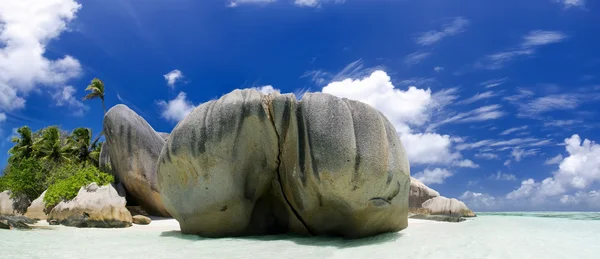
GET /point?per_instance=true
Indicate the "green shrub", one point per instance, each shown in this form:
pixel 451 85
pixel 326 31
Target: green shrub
pixel 66 189
pixel 26 178
pixel 3 183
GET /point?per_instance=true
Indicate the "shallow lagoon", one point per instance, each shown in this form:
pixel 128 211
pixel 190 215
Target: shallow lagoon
pixel 494 235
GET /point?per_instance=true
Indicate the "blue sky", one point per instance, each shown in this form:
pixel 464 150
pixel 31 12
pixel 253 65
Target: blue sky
pixel 496 102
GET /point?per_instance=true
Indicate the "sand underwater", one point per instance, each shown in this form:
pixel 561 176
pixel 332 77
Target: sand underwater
pixel 491 235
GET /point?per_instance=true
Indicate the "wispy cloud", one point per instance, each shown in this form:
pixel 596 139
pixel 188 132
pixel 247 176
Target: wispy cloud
pixel 561 123
pixel 550 103
pixel 457 26
pixel 502 177
pixel 478 97
pixel 519 154
pixel 438 69
pixel 528 46
pixel 236 3
pixel 511 130
pixel 487 145
pixel 484 113
pixel 522 94
pixel 539 38
pixel 416 57
pixel 571 3
pixel 494 82
pixel 488 156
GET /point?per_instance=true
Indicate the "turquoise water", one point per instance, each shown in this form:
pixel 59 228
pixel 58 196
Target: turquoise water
pixel 561 215
pixel 494 236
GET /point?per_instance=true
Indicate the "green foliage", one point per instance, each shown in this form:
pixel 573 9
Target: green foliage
pixel 52 146
pixel 23 147
pixel 67 188
pixel 27 177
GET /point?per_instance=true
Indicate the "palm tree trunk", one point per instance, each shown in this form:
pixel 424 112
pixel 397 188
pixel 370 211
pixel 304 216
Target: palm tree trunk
pixel 101 132
pixel 103 107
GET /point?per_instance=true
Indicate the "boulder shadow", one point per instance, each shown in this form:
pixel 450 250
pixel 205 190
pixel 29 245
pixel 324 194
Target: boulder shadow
pixel 321 241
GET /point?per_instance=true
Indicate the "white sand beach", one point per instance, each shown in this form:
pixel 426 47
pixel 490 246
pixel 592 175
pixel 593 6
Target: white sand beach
pixel 494 236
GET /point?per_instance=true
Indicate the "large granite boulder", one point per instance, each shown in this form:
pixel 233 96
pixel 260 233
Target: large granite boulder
pixel 16 222
pixel 94 206
pixel 37 209
pixel 250 164
pixel 133 149
pixel 419 193
pixel 13 205
pixel 445 206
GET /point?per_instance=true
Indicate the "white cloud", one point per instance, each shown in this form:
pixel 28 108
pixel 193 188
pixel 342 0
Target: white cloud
pixel 579 171
pixel 465 163
pixel 173 77
pixel 498 60
pixel 488 156
pixel 416 57
pixel 429 148
pixel 503 177
pixel 455 27
pixel 539 38
pixel 507 163
pixel 266 89
pixel 523 94
pixel 515 129
pixel 438 69
pixel 571 3
pixel 27 27
pixel 176 109
pixel 555 160
pixel 2 117
pixel 519 154
pixel 65 97
pixel 478 97
pixel 437 175
pixel 378 91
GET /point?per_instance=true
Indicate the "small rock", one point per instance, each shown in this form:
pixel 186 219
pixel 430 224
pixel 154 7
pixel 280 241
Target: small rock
pixel 444 218
pixel 53 222
pixel 4 224
pixel 141 220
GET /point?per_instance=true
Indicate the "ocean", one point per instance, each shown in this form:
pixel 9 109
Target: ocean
pixel 545 235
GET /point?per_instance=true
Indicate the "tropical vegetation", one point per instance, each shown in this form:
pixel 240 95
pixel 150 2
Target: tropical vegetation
pixel 54 160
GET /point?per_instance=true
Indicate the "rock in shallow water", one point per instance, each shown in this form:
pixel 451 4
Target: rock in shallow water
pixel 141 220
pixel 420 193
pixel 445 206
pixel 250 164
pixel 443 218
pixel 7 204
pixel 16 222
pixel 94 206
pixel 133 149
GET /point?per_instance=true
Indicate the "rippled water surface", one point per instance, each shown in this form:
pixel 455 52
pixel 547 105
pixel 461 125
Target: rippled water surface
pixel 491 235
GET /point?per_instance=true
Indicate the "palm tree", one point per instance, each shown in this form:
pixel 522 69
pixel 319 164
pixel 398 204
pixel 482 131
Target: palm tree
pixel 23 145
pixel 79 143
pixel 97 91
pixel 50 147
pixel 97 88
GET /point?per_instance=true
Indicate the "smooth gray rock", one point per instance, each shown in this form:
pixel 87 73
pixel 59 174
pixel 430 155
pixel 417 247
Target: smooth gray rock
pixel 217 163
pixel 164 135
pixel 445 206
pixel 343 168
pixel 94 206
pixel 133 148
pixel 37 208
pixel 419 193
pixel 250 163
